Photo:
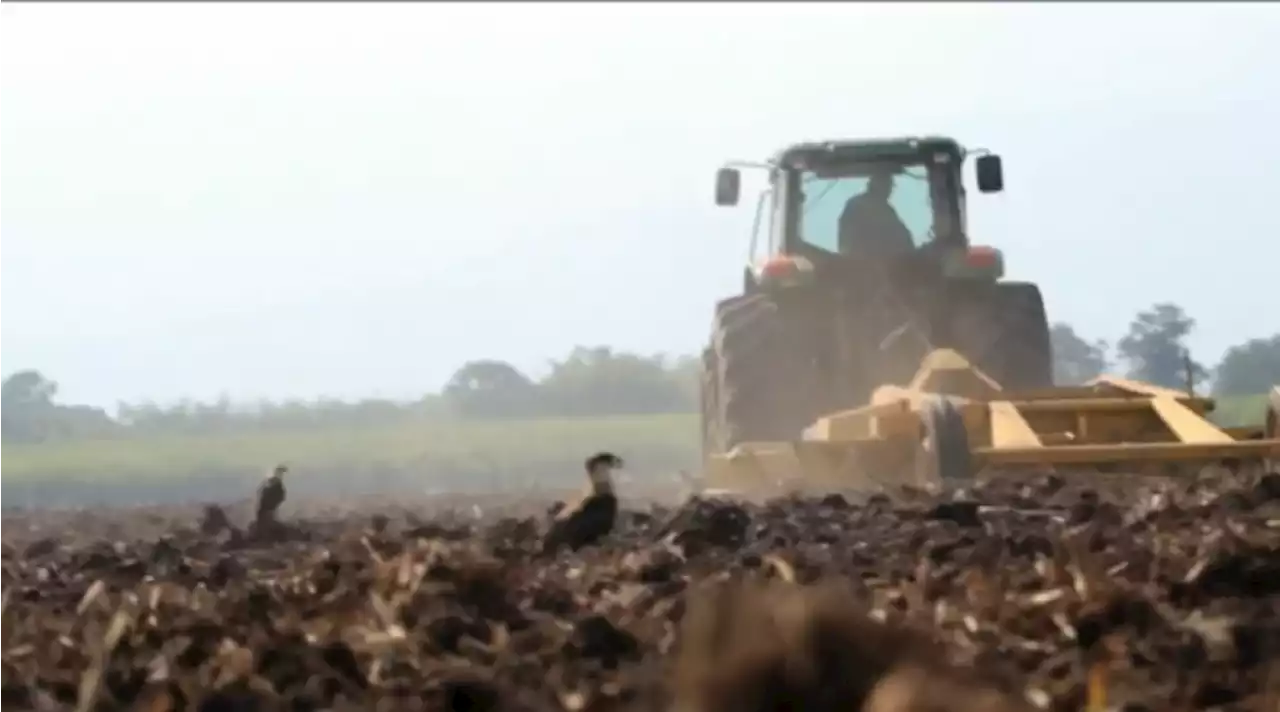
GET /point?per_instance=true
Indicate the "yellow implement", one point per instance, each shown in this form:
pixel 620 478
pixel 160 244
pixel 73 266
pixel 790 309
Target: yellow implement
pixel 953 421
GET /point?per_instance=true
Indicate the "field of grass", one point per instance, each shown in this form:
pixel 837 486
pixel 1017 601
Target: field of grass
pixel 1235 411
pixel 425 455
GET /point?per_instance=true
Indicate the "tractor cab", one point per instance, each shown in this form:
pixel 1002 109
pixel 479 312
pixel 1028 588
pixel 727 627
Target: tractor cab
pixel 842 204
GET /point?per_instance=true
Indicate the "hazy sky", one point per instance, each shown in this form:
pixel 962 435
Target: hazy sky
pixel 351 199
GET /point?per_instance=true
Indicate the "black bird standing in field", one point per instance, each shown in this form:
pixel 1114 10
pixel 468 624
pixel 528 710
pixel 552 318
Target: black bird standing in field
pixel 588 520
pixel 270 496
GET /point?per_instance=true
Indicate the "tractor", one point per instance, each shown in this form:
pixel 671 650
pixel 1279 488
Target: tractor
pixel 834 305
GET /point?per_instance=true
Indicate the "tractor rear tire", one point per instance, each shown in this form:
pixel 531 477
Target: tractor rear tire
pixel 748 388
pixel 1004 331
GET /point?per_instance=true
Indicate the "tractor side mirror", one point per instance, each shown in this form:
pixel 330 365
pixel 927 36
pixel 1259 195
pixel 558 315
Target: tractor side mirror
pixel 728 186
pixel 990 173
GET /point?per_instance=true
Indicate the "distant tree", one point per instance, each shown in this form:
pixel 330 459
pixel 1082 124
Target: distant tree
pixel 598 381
pixel 1249 368
pixel 1155 347
pixel 488 388
pixel 29 413
pixel 1075 360
pixel 27 388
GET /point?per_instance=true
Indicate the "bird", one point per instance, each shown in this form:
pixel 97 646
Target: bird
pixel 271 495
pixel 592 517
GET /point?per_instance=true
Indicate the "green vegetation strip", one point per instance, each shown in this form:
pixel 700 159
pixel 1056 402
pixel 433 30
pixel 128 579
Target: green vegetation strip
pixel 1240 411
pixel 492 446
pixel 448 447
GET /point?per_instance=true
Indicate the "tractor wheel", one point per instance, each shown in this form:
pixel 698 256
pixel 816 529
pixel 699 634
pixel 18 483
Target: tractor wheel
pixel 748 382
pixel 1004 332
pixel 944 452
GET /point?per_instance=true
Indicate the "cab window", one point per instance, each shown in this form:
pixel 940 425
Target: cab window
pixel 824 199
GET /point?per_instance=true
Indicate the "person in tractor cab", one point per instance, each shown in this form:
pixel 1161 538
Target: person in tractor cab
pixel 870 226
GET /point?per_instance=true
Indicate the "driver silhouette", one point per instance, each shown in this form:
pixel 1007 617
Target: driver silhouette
pixel 869 226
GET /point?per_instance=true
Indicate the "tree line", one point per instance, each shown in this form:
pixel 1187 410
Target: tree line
pixel 589 381
pixel 595 381
pixel 1154 349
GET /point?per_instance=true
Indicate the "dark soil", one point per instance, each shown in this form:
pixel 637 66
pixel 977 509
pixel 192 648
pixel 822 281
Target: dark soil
pixel 1166 595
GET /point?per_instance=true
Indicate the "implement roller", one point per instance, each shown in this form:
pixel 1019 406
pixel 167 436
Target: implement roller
pixel 954 422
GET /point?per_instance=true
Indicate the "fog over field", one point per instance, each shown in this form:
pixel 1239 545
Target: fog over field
pixel 289 201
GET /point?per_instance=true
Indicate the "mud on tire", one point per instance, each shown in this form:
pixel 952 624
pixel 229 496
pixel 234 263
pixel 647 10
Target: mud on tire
pixel 748 388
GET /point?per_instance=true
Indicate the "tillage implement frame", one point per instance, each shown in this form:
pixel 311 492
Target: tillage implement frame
pixel 953 422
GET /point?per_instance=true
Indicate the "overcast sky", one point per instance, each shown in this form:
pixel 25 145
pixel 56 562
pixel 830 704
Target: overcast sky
pixel 276 200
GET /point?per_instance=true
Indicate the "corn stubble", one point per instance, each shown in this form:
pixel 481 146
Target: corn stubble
pixel 1011 595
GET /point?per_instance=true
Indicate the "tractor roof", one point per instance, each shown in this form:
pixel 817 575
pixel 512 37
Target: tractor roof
pixel 872 148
